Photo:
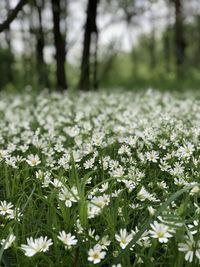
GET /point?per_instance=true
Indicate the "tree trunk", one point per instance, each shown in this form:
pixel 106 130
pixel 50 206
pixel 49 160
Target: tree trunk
pixel 179 37
pixel 166 49
pixel 40 44
pixel 95 64
pixel 197 54
pixel 7 31
pixel 59 42
pixel 152 50
pixel 12 15
pixel 90 29
pixel 63 16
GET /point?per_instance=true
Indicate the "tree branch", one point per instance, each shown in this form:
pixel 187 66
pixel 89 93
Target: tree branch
pixel 12 15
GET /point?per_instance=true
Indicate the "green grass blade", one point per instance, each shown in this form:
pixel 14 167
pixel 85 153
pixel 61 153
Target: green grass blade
pixel 147 223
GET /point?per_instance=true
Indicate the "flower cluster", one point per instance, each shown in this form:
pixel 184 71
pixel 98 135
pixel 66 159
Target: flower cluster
pixel 81 174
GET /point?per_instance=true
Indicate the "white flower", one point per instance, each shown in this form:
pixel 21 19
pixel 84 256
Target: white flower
pixel 91 232
pixel 56 183
pixel 143 194
pixel 101 201
pixel 33 160
pixel 151 210
pixel 194 227
pixel 14 214
pixel 194 190
pixel 124 149
pixel 104 187
pixel 123 238
pixel 197 210
pixel 152 156
pixel 68 239
pixel 96 254
pixel 89 163
pixel 163 143
pixel 67 196
pixel 160 232
pixel 177 170
pixel 79 226
pixel 3 154
pixel 39 175
pixel 188 247
pixel 104 242
pixel 93 210
pixel 97 204
pixel 143 241
pixel 6 208
pixel 8 243
pixel 97 139
pixel 186 150
pixel 34 246
pixel 118 172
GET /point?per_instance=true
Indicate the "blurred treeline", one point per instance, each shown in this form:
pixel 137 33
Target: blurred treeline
pixel 165 56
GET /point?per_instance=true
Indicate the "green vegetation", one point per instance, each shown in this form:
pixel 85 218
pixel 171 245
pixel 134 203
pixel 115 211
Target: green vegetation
pixel 112 183
pixel 99 133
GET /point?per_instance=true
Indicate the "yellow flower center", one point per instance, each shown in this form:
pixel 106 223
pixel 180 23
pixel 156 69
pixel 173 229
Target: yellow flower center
pixel 95 255
pixel 160 234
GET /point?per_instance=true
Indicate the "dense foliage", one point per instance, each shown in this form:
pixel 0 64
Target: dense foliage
pixel 81 183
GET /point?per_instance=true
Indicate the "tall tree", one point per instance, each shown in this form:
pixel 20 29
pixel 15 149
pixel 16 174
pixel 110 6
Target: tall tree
pixel 40 44
pixel 166 38
pixel 7 31
pixel 59 42
pixel 90 38
pixel 180 43
pixel 152 49
pixel 12 15
pixel 197 54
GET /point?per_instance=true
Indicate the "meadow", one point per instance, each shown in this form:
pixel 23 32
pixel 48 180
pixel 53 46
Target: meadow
pixel 100 179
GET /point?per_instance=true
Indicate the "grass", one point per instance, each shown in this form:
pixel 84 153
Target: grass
pixel 117 172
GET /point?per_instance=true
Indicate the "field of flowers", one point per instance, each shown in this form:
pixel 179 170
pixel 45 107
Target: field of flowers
pixel 100 179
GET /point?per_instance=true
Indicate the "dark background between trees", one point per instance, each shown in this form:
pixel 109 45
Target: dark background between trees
pixel 166 58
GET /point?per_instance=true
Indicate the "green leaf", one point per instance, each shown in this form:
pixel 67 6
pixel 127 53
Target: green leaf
pixel 147 223
pixel 83 214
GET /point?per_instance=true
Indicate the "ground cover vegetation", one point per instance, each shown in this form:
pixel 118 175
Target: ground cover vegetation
pixel 111 183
